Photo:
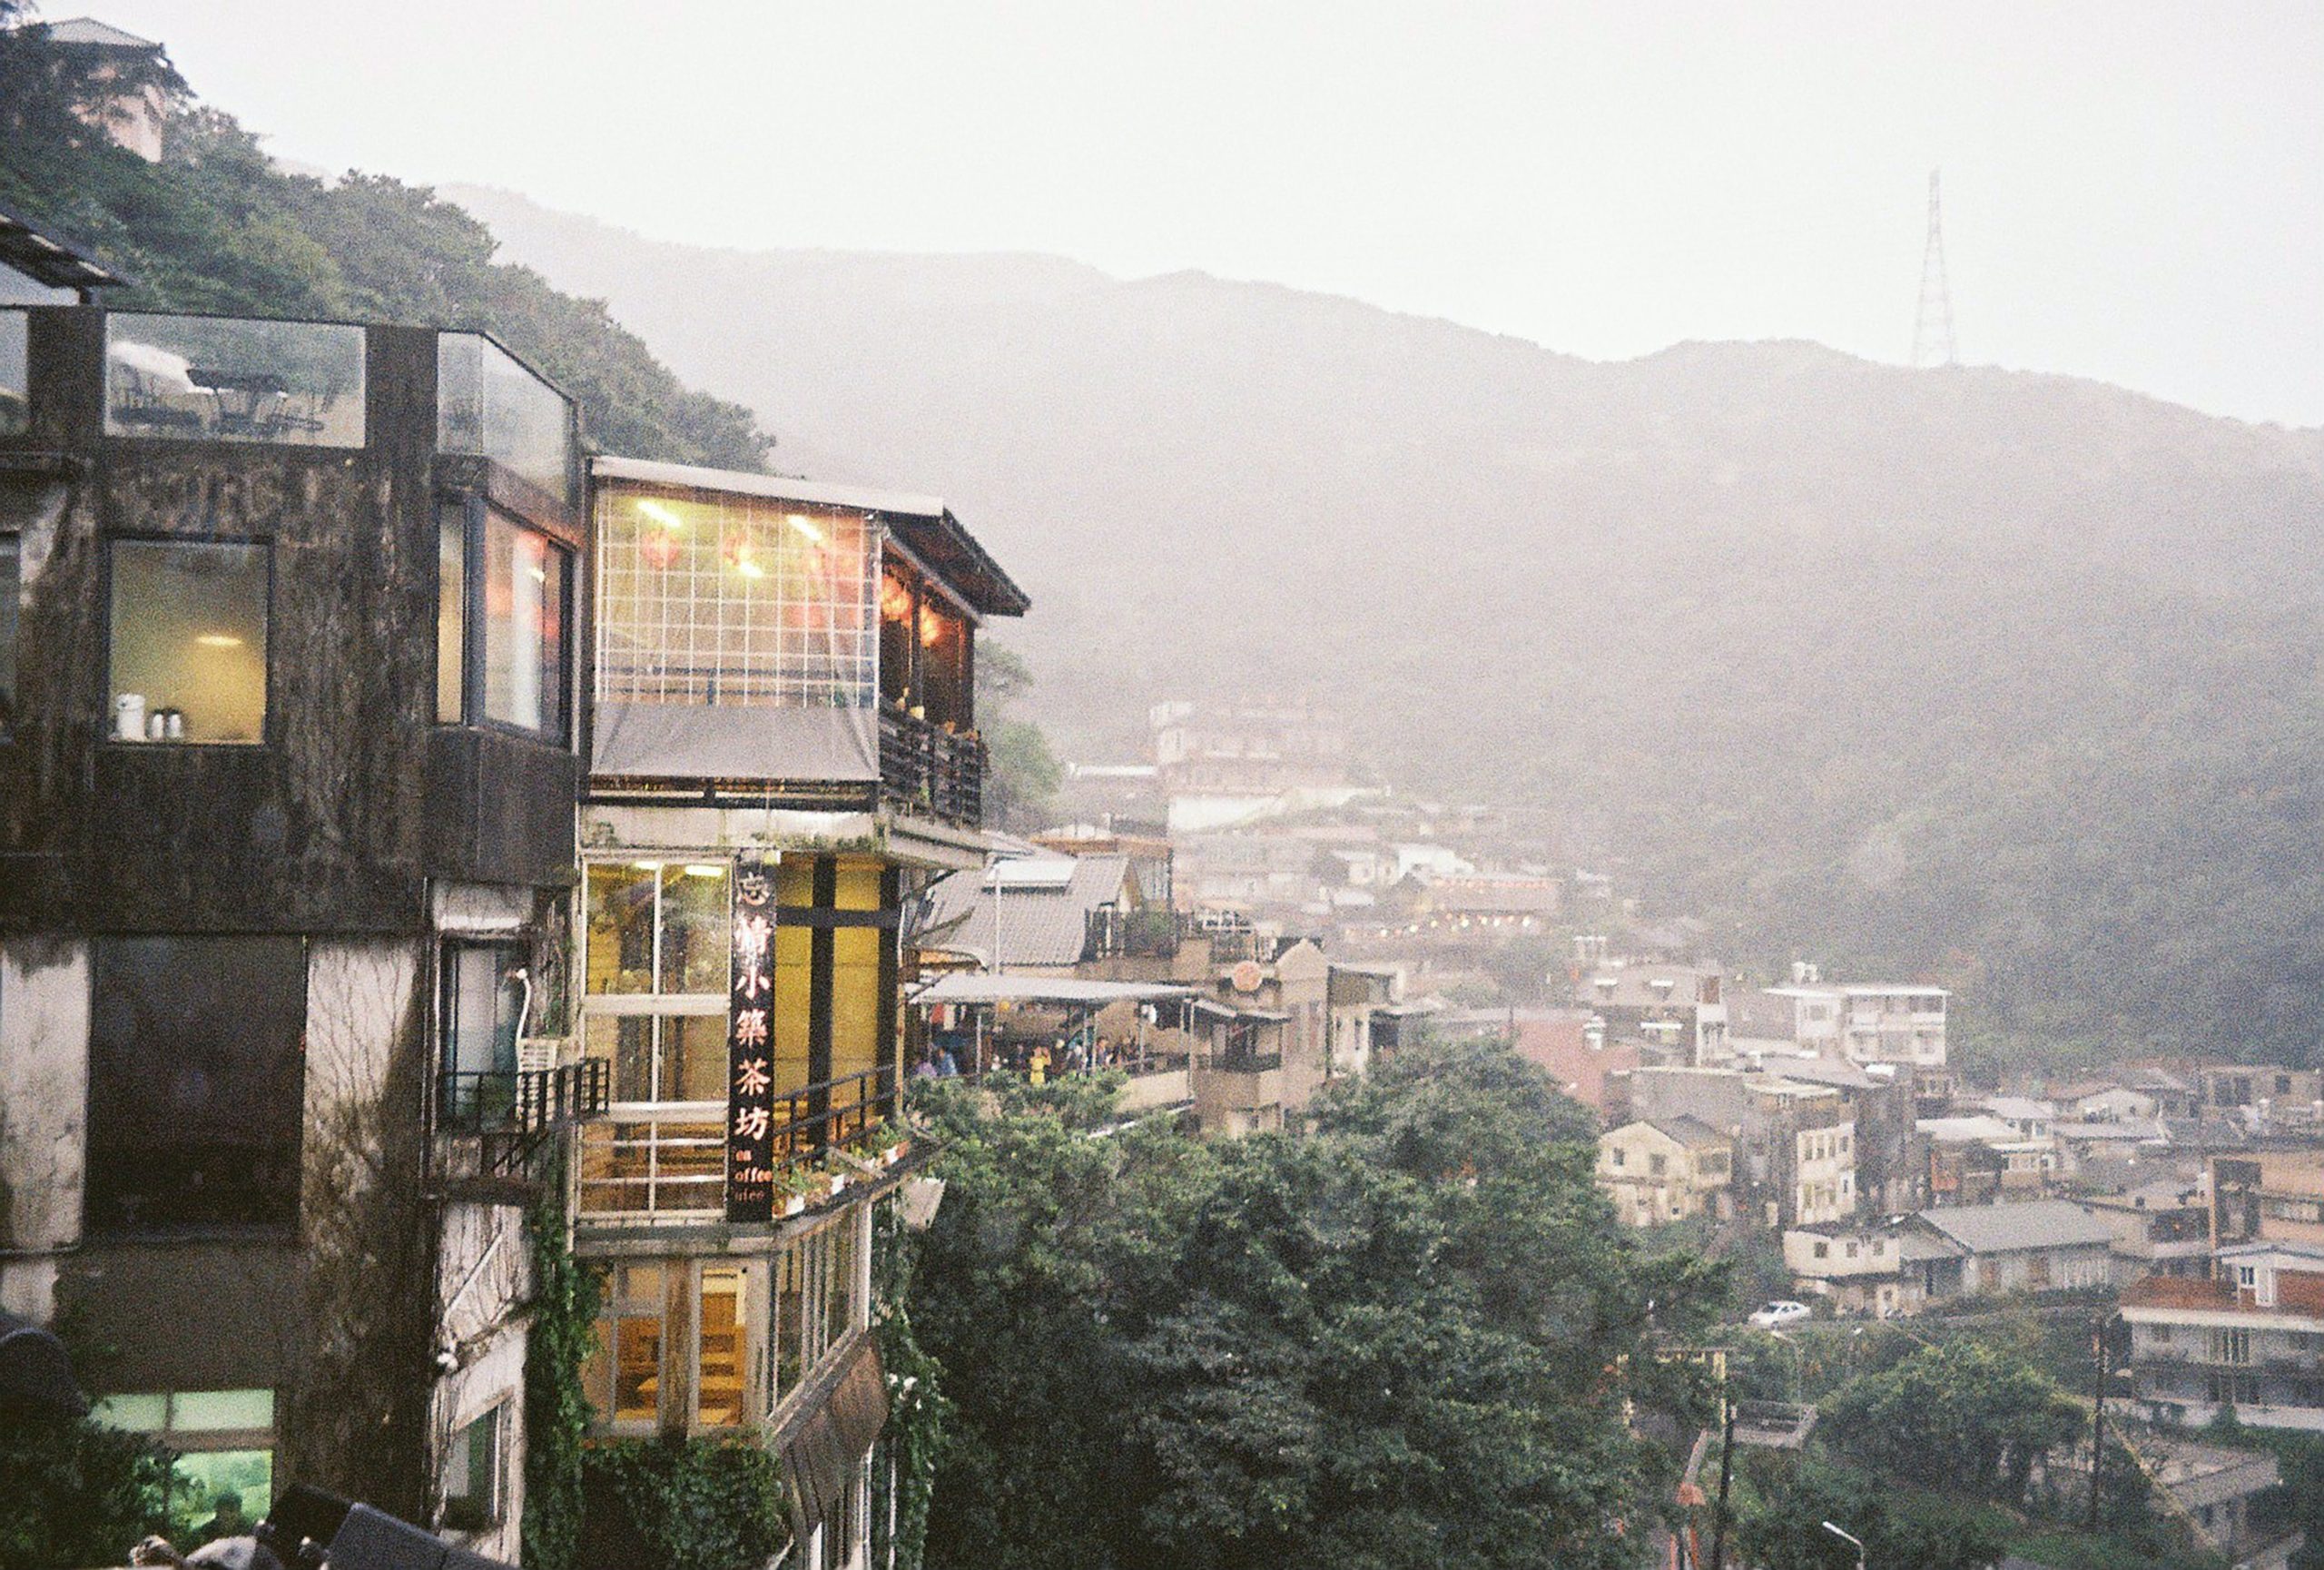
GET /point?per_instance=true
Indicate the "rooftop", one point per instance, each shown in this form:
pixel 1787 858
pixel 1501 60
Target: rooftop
pixel 2035 1224
pixel 87 32
pixel 1043 921
pixel 923 524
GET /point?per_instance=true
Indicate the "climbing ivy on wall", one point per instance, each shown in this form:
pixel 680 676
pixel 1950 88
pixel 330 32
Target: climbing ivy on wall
pixel 556 1412
pixel 917 1410
pixel 670 1504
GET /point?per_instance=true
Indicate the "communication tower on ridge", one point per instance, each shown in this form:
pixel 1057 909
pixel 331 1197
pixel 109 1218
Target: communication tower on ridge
pixel 1932 324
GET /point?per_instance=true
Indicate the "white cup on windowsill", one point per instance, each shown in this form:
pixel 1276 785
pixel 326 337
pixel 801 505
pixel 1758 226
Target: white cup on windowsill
pixel 129 716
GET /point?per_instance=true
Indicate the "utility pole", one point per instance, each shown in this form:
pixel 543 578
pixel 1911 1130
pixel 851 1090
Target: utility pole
pixel 2105 1334
pixel 1726 1478
pixel 1933 322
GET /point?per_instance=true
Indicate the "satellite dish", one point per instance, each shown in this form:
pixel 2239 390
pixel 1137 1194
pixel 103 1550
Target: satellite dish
pixel 1246 976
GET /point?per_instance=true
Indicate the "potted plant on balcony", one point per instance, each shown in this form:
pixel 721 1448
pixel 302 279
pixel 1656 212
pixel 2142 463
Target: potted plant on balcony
pixel 888 1142
pixel 797 1185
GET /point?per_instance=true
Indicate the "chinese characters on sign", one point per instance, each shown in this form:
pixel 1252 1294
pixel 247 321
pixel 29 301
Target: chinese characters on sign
pixel 750 1068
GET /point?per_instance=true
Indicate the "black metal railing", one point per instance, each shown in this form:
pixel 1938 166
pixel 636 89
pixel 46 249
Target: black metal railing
pixel 522 1102
pixel 1109 934
pixel 924 765
pixel 833 1114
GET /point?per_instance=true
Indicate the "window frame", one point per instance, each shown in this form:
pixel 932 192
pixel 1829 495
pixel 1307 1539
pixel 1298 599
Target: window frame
pixel 100 1194
pixel 461 1512
pixel 476 513
pixel 270 725
pixel 12 585
pixel 518 955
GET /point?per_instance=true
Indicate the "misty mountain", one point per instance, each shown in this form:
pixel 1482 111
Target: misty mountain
pixel 2015 681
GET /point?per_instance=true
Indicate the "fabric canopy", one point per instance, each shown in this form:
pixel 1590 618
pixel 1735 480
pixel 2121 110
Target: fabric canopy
pixel 704 742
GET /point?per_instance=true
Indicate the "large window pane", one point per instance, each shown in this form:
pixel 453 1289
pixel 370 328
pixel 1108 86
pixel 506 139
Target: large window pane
pixel 623 900
pixel 12 583
pixel 490 406
pixel 484 995
pixel 211 379
pixel 524 627
pixel 15 380
pixel 195 1079
pixel 718 1371
pixel 189 630
pixel 451 613
pixel 736 601
pixel 694 916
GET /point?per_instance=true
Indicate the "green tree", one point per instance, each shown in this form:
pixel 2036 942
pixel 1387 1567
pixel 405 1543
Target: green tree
pixel 1404 1338
pixel 1963 1416
pixel 1024 774
pixel 75 1493
pixel 1789 1498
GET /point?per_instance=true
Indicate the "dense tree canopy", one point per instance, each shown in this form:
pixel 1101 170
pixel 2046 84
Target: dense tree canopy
pixel 1961 1415
pixel 1404 1338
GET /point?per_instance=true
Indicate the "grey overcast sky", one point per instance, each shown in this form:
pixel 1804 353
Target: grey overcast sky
pixel 2133 191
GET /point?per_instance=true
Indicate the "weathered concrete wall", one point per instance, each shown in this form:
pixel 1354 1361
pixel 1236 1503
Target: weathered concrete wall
pixel 43 1112
pixel 484 1282
pixel 357 1422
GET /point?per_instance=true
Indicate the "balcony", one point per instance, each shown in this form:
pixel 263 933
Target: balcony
pixel 498 1119
pixel 1114 933
pixel 667 1160
pixel 926 768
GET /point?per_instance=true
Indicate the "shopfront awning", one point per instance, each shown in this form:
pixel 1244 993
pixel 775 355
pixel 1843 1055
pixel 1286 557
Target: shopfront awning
pixel 962 987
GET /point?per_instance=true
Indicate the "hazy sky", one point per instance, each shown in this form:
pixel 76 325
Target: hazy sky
pixel 2133 192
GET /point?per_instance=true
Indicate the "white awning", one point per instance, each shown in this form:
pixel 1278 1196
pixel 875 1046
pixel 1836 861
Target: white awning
pixel 962 987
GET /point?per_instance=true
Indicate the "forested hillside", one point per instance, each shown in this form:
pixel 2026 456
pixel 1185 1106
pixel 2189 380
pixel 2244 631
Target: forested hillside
pixel 2005 680
pixel 216 226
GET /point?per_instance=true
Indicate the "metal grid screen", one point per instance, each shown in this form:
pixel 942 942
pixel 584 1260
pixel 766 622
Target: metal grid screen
pixel 735 601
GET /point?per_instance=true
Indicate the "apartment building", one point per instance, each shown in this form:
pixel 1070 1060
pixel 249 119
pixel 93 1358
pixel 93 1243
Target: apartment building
pixel 288 758
pixel 1795 1147
pixel 2250 1337
pixel 783 751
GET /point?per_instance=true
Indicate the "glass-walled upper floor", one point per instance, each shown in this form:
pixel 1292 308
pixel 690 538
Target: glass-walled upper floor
pixel 729 600
pixel 193 378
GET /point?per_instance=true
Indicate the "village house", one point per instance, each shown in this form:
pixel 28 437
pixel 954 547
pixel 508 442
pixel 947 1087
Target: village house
pixel 2032 1246
pixel 1860 1269
pixel 1673 1170
pixel 1673 1011
pixel 2250 1337
pixel 1794 1141
pixel 2160 1227
pixel 1978 1159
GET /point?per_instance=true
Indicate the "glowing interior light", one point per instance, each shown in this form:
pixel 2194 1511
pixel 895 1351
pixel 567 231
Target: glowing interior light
pixel 747 568
pixel 660 514
pixel 800 522
pixel 219 640
pixel 646 866
pixel 705 870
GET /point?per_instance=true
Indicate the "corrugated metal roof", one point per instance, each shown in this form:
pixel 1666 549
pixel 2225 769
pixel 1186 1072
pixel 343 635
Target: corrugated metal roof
pixel 1038 925
pixel 2036 1224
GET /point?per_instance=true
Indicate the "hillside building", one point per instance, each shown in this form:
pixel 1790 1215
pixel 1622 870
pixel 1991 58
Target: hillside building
pixel 1674 1170
pixel 783 752
pixel 287 762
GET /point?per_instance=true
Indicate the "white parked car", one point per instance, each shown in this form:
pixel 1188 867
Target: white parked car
pixel 1782 1311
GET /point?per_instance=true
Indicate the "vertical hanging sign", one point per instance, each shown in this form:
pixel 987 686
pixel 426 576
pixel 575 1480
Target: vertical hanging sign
pixel 750 1047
